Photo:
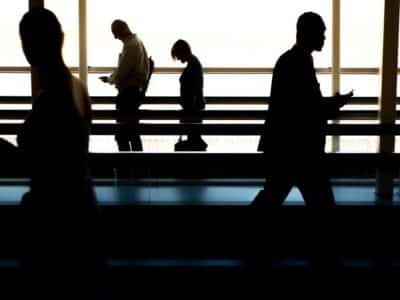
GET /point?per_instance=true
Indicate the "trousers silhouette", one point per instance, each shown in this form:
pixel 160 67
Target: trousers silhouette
pixel 128 102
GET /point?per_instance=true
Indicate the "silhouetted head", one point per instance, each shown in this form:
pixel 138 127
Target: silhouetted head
pixel 181 51
pixel 42 37
pixel 120 30
pixel 311 31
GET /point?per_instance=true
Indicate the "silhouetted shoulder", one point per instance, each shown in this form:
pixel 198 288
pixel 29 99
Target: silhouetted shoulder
pixel 134 43
pixel 292 57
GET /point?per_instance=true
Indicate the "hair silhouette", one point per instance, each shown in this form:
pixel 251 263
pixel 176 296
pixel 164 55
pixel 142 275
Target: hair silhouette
pixel 180 47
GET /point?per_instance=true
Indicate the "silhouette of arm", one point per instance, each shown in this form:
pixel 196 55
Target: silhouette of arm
pixel 332 105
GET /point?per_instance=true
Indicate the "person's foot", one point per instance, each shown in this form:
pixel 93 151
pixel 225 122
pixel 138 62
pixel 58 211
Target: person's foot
pixel 136 146
pixel 201 144
pixel 259 200
pixel 124 147
pixel 181 145
pixel 191 145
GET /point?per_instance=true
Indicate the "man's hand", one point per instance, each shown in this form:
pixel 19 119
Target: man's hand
pixel 343 99
pixel 104 79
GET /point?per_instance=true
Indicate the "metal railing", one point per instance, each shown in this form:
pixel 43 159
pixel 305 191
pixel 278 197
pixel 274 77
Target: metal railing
pixel 207 70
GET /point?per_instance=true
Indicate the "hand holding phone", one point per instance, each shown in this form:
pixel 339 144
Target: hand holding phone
pixel 350 94
pixel 343 99
pixel 104 78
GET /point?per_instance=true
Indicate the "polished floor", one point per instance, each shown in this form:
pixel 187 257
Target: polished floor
pixel 111 191
pixel 131 277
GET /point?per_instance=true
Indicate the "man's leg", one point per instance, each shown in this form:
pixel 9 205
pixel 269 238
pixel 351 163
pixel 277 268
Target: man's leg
pixel 316 189
pixel 134 137
pixel 122 139
pixel 276 189
pixel 135 100
pixel 318 195
pixel 194 139
pixel 121 136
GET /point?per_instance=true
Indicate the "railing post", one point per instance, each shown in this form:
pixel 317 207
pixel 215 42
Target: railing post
pixel 335 62
pixel 83 65
pixel 387 99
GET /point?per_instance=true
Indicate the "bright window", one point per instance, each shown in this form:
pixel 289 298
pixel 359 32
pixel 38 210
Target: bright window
pixel 10 16
pixel 223 33
pixel 68 14
pixel 361 33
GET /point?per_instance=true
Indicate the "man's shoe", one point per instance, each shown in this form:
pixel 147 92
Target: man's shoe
pixel 189 145
pixel 181 146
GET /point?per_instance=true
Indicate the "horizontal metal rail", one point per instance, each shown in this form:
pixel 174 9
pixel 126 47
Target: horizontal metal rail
pixel 206 159
pixel 231 165
pixel 190 165
pixel 225 129
pixel 207 70
pixel 238 115
pixel 161 100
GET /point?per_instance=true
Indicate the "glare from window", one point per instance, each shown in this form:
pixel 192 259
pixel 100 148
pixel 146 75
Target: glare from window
pixel 361 33
pixel 222 33
pixel 10 15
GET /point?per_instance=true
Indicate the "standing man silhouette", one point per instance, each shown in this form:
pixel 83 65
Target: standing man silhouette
pixel 130 78
pixel 294 137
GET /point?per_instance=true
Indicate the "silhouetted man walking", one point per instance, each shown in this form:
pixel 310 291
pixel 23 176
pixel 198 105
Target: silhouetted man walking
pixel 294 137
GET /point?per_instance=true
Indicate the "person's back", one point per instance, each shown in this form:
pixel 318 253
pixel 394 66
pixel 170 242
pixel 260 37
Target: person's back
pixel 134 68
pixel 54 138
pixel 61 207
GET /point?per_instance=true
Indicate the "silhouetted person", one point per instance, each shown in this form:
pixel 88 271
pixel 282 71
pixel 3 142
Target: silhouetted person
pixel 191 94
pixel 62 215
pixel 130 78
pixel 294 137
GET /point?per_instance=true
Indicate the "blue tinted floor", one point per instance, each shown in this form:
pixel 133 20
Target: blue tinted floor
pixel 199 192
